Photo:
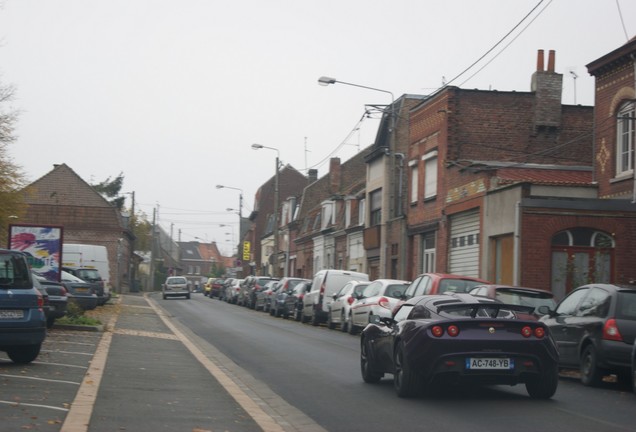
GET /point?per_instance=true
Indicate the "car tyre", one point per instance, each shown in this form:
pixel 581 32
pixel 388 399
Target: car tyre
pixel 407 382
pixel 544 386
pixel 330 323
pixel 591 375
pixel 344 323
pixel 369 375
pixel 352 329
pixel 50 322
pixel 24 353
pixel 299 315
pixel 314 319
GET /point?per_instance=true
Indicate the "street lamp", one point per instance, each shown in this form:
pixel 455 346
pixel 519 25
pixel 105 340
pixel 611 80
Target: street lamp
pixel 240 196
pixel 388 175
pixel 276 198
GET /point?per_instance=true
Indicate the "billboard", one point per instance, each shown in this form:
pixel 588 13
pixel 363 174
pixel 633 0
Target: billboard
pixel 42 244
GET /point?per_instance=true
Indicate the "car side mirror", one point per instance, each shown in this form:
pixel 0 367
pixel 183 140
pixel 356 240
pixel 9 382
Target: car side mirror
pixel 335 296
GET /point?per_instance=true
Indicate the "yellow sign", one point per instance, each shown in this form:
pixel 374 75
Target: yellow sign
pixel 246 251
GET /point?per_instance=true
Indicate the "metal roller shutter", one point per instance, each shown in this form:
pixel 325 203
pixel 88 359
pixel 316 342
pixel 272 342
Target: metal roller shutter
pixel 464 244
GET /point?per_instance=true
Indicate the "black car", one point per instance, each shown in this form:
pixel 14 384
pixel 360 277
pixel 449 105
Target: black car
pixel 278 306
pixel 459 338
pixel 253 285
pixel 594 328
pixel 56 298
pixel 91 276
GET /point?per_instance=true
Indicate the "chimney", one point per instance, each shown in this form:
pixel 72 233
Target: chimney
pixel 312 175
pixel 547 85
pixel 334 175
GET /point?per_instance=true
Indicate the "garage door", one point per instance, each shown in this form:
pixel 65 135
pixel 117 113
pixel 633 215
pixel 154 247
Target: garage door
pixel 464 244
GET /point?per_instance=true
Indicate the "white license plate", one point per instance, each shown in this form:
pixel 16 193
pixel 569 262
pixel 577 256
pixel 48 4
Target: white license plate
pixel 11 314
pixel 475 363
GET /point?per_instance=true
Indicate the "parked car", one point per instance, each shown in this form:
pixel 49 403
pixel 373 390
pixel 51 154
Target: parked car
pixel 294 300
pixel 80 292
pixel 57 298
pixel 595 328
pixel 91 276
pixel 459 338
pixel 439 283
pixel 340 309
pixel 22 316
pixel 253 286
pixel 278 306
pixel 517 295
pixel 224 290
pixel 232 290
pixel 325 284
pixel 217 287
pixel 379 298
pixel 207 287
pixel 176 286
pixel 264 296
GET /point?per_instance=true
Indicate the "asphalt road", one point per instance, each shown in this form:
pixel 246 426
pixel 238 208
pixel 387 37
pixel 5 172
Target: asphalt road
pixel 206 366
pixel 316 370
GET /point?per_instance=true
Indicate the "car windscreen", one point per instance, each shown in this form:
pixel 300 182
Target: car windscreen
pixel 176 281
pixel 395 290
pixel 457 285
pixel 88 274
pixel 526 298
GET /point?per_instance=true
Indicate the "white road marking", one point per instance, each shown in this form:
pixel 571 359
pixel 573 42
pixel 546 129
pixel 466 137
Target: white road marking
pixel 39 379
pixel 17 404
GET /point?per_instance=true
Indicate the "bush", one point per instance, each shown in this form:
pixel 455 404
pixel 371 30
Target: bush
pixel 75 316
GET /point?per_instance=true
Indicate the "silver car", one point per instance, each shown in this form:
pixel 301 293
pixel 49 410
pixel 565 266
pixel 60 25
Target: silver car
pixel 176 286
pixel 340 311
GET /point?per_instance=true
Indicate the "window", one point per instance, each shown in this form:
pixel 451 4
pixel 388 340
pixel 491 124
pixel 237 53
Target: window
pixel 428 253
pixel 375 207
pixel 414 181
pixel 348 213
pixel 625 139
pixel 430 174
pixel 328 214
pixel 361 211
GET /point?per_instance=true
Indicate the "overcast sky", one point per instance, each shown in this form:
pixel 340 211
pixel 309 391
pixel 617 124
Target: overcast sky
pixel 172 93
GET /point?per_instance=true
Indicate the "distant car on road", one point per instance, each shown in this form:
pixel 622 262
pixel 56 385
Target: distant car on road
pixel 379 298
pixel 176 286
pixel 340 308
pixel 595 328
pixel 459 338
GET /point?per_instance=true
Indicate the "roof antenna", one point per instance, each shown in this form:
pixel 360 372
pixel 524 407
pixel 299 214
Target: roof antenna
pixel 574 77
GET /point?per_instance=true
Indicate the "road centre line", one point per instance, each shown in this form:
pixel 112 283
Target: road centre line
pixel 39 379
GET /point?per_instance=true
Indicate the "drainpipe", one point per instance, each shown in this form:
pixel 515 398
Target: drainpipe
pixel 517 245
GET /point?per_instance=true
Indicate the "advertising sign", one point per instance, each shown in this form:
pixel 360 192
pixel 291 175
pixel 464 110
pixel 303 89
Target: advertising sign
pixel 246 251
pixel 43 246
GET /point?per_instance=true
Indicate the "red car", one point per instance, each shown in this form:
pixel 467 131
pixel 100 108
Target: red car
pixel 439 283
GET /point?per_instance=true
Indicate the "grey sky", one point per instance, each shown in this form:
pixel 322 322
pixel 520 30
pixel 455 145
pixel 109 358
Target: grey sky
pixel 173 92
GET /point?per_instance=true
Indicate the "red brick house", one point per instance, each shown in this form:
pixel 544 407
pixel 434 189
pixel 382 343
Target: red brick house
pixel 502 186
pixel 63 198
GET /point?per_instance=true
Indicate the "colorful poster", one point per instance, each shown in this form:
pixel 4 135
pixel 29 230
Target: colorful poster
pixel 42 244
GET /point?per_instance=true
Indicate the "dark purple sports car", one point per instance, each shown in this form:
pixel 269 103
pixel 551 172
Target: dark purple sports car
pixel 460 338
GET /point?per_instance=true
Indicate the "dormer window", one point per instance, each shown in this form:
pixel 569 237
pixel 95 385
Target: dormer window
pixel 328 214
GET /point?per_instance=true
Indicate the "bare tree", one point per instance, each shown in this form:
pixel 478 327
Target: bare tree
pixel 12 178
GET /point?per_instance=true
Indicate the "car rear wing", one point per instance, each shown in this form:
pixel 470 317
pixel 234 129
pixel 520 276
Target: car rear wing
pixel 482 310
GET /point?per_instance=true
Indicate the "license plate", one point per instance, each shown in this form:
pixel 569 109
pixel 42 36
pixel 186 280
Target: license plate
pixel 474 363
pixel 81 290
pixel 11 314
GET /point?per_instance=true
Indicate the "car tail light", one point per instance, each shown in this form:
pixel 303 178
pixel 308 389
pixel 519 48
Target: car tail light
pixel 350 300
pixel 437 331
pixel 300 296
pixel 385 303
pixel 610 331
pixel 539 332
pixel 452 330
pixel 40 300
pixel 322 289
pixel 526 331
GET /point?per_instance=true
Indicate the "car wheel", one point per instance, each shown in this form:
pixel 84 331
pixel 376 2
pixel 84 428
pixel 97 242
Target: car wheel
pixel 277 312
pixel 591 375
pixel 352 329
pixel 24 353
pixel 299 315
pixel 50 322
pixel 314 319
pixel 330 323
pixel 188 297
pixel 369 375
pixel 344 323
pixel 544 386
pixel 304 318
pixel 407 382
pixel 165 297
pixel 634 371
pixel 271 311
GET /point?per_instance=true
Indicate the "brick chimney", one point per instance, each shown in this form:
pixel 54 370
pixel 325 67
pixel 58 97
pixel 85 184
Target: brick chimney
pixel 312 175
pixel 334 175
pixel 547 85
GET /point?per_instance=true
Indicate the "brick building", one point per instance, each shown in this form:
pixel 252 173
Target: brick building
pixel 502 186
pixel 63 198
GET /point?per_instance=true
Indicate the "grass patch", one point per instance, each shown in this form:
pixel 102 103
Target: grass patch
pixel 75 315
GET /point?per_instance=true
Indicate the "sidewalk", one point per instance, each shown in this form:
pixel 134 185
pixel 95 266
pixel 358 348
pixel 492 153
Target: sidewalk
pixel 147 376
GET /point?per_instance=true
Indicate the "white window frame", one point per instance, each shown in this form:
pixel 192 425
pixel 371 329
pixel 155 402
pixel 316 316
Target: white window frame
pixel 415 180
pixel 625 137
pixel 430 174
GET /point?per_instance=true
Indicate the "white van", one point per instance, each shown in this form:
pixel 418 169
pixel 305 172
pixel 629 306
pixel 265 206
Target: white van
pixel 85 256
pixel 325 284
